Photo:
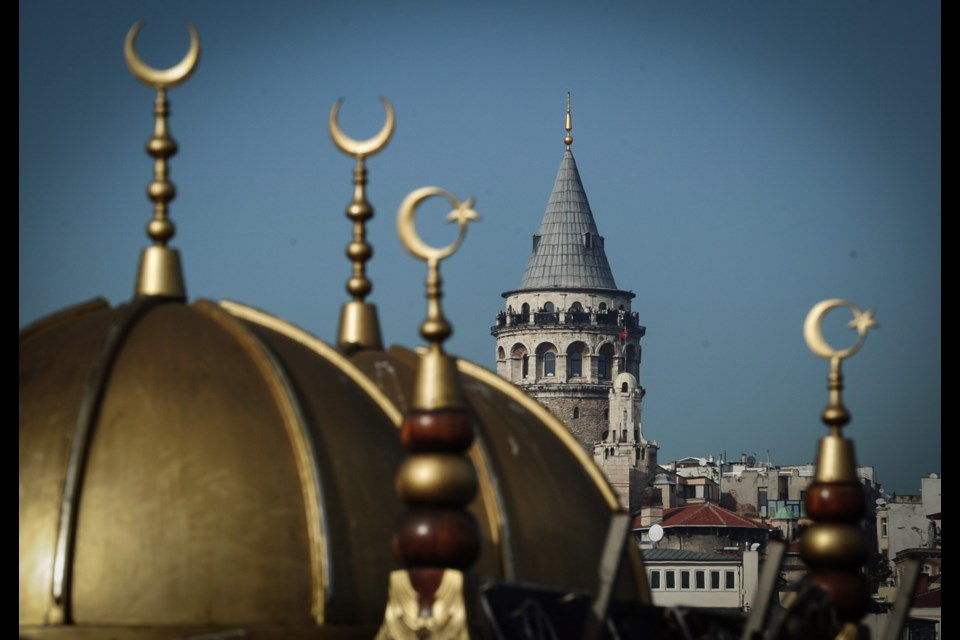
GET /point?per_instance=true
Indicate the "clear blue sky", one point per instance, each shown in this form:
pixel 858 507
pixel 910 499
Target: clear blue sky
pixel 744 160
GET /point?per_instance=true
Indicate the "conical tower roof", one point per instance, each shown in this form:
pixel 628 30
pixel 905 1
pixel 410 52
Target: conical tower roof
pixel 567 249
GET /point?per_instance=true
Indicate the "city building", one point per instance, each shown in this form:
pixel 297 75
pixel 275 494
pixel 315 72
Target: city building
pixel 910 521
pixel 569 337
pixel 698 579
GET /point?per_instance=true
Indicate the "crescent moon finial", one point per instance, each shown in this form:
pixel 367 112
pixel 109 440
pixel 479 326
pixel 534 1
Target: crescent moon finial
pixel 437 384
pixel 813 328
pixel 359 327
pixel 462 214
pixel 361 148
pixel 161 78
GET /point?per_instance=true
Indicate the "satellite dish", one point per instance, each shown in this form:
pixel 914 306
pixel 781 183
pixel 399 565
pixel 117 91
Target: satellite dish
pixel 752 461
pixel 656 533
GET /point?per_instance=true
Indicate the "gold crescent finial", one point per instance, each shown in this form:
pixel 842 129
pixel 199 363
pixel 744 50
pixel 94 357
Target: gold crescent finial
pixel 813 328
pixel 437 384
pixel 161 78
pixel 359 326
pixel 361 148
pixel 462 214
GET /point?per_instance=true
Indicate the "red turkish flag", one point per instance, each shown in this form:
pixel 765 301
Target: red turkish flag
pixel 623 334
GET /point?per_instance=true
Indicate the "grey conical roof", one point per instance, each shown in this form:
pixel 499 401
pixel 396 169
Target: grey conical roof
pixel 567 249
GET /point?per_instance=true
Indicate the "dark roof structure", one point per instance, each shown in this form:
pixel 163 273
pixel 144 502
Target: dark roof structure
pixel 682 555
pixel 568 250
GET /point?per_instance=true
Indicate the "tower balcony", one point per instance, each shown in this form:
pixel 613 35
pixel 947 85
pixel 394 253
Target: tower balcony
pixel 630 320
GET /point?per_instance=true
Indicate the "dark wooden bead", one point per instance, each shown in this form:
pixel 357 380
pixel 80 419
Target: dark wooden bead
pixel 447 430
pixel 835 501
pixel 848 592
pixel 427 537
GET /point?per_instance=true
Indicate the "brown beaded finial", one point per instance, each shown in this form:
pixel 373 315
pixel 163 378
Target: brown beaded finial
pixel 568 139
pixel 835 547
pixel 359 326
pixel 437 481
pixel 160 273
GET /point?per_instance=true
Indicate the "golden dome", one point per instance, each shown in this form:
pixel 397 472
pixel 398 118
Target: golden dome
pixel 199 464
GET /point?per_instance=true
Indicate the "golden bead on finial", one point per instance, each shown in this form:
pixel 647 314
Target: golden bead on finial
pixel 568 139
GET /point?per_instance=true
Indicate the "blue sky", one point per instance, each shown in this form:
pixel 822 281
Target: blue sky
pixel 744 160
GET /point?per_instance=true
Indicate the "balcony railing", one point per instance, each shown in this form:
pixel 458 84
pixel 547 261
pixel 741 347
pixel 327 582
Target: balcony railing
pixel 630 321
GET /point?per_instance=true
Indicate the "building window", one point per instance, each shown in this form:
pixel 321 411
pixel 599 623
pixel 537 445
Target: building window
pixel 671 580
pixel 883 527
pixel 576 413
pixel 602 372
pixel 731 580
pixel 701 579
pixel 525 309
pixel 684 579
pixel 762 501
pixel 654 579
pixel 715 580
pixel 550 364
pixel 576 365
pixel 525 365
pixel 548 307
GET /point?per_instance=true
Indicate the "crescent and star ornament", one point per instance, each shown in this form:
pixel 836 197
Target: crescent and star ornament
pixel 361 148
pixel 813 328
pixel 161 78
pixel 462 214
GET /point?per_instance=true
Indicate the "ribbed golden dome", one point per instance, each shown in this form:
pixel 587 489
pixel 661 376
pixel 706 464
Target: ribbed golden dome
pixel 199 465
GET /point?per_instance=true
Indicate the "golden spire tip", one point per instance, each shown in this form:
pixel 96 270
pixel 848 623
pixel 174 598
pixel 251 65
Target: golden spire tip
pixel 568 139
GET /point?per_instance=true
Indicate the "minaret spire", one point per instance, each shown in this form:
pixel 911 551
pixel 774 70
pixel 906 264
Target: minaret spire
pixel 568 139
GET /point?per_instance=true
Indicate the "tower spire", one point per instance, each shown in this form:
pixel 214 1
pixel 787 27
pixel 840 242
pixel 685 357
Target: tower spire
pixel 568 139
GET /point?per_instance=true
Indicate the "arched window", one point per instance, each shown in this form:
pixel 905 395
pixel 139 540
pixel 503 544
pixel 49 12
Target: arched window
pixel 576 307
pixel 624 387
pixel 603 306
pixel 550 364
pixel 525 365
pixel 576 413
pixel 525 308
pixel 605 362
pixel 548 307
pixel 576 364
